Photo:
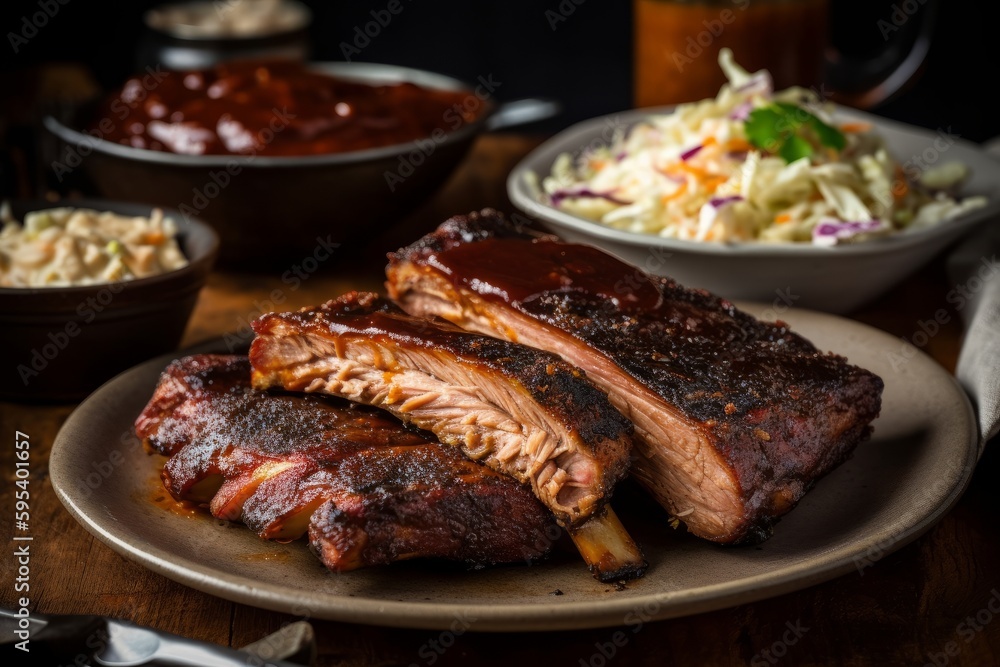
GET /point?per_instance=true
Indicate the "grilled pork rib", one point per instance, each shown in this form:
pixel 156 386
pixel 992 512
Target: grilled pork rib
pixel 367 490
pixel 520 411
pixel 735 418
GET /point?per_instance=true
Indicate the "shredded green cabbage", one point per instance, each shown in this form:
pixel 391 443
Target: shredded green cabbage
pixel 696 174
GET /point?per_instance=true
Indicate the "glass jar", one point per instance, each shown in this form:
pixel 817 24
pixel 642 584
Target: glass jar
pixel 677 43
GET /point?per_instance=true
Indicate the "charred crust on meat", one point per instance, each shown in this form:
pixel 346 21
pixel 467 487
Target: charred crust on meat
pixel 475 226
pixel 560 389
pixel 775 411
pixel 368 490
pixel 552 382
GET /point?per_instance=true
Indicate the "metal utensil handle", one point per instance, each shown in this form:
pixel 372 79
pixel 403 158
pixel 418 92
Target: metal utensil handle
pixel 132 645
pixel 182 652
pixel 522 112
pixel 52 639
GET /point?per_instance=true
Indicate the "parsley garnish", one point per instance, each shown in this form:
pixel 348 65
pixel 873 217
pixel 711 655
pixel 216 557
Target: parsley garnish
pixel 790 131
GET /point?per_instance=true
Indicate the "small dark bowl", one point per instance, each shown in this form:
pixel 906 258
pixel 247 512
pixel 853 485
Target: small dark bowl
pixel 275 207
pixel 63 342
pixel 180 46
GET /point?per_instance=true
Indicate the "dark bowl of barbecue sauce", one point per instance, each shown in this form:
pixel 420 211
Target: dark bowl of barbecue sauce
pixel 280 157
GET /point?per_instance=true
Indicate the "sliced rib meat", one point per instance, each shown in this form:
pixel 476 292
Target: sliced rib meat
pixel 735 418
pixel 366 489
pixel 518 410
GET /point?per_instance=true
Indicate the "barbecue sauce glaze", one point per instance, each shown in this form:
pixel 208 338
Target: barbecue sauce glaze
pixel 693 349
pixel 520 270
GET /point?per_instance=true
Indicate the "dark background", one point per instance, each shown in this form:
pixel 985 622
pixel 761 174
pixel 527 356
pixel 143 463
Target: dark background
pixel 586 62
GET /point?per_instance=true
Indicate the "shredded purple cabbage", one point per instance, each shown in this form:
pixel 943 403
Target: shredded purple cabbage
pixel 761 80
pixel 719 202
pixel 691 152
pixel 830 232
pixel 741 112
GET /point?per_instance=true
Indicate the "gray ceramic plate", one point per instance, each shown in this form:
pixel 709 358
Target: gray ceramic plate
pixel 896 486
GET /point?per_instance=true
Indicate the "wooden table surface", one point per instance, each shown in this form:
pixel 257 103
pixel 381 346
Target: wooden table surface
pixel 928 603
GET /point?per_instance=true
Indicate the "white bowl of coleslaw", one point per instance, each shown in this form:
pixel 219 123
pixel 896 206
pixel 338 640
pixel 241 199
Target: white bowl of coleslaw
pixel 679 191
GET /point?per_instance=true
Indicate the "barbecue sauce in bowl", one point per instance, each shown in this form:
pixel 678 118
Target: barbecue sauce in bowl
pixel 279 108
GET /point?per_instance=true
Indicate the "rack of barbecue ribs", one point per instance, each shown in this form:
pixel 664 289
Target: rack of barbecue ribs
pixel 735 418
pixel 367 490
pixel 517 410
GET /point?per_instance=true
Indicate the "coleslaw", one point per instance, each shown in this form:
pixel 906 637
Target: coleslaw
pixel 754 165
pixel 69 247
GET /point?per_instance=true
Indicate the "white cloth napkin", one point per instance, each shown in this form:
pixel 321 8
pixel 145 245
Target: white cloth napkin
pixel 975 264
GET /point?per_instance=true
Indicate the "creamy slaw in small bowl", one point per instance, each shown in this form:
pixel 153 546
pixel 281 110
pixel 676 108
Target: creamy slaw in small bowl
pixel 70 247
pixel 67 339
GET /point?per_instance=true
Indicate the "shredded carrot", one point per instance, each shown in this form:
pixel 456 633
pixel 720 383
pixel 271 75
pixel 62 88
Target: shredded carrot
pixel 899 189
pixel 783 218
pixel 671 170
pixel 675 194
pixel 712 184
pixel 677 169
pixel 697 172
pixel 709 181
pixel 738 145
pixel 154 238
pixel 703 174
pixel 856 126
pixel 710 141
